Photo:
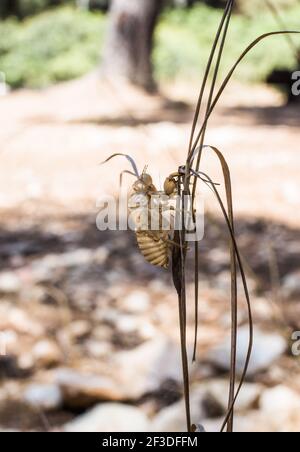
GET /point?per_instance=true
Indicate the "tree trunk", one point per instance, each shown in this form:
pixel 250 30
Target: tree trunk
pixel 128 48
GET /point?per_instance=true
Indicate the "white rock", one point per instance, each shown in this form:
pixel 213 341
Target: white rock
pixel 219 390
pixel 158 286
pixel 212 425
pixel 44 267
pixel 18 320
pixel 267 348
pixel 199 428
pixel 148 366
pixel 137 301
pixel 110 417
pixel 278 412
pixel 80 256
pixel 172 418
pixel 101 254
pixel 78 329
pixel 98 349
pixel 26 362
pixel 291 285
pixel 9 342
pixel 252 421
pixel 109 315
pixel 9 283
pixel 83 389
pixel 147 330
pixel 261 422
pixel 46 353
pixel 280 399
pixel 43 396
pixel 127 324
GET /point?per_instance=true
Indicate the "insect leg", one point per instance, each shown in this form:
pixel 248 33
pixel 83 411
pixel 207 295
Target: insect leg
pixel 130 159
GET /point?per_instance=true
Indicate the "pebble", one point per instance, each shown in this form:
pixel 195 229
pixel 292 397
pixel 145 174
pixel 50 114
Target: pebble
pixel 110 417
pixel 291 285
pixel 45 397
pixel 219 390
pixel 81 389
pixel 280 403
pixel 173 419
pixel 267 348
pixel 137 301
pixel 162 363
pixel 9 283
pixel 46 353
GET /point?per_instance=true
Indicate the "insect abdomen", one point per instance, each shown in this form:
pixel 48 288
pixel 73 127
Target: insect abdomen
pixel 154 250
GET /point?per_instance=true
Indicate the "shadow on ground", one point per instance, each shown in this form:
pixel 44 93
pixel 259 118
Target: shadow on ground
pixel 267 116
pixel 263 244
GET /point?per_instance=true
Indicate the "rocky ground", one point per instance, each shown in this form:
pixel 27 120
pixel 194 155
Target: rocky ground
pixel 89 331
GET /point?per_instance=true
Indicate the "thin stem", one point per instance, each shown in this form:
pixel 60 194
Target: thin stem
pixel 226 17
pixel 212 186
pixel 233 266
pixel 228 78
pixel 207 71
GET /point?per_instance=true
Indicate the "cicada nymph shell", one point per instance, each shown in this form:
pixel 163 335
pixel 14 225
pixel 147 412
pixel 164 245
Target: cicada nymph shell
pixel 154 249
pixel 147 206
pixel 150 213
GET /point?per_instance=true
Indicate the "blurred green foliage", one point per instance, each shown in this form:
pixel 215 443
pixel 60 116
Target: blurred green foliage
pixel 53 46
pixel 246 6
pixel 184 38
pixel 23 8
pixel 64 43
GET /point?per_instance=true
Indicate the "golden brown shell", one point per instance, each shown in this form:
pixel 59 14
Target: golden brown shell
pixel 154 249
pixel 170 186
